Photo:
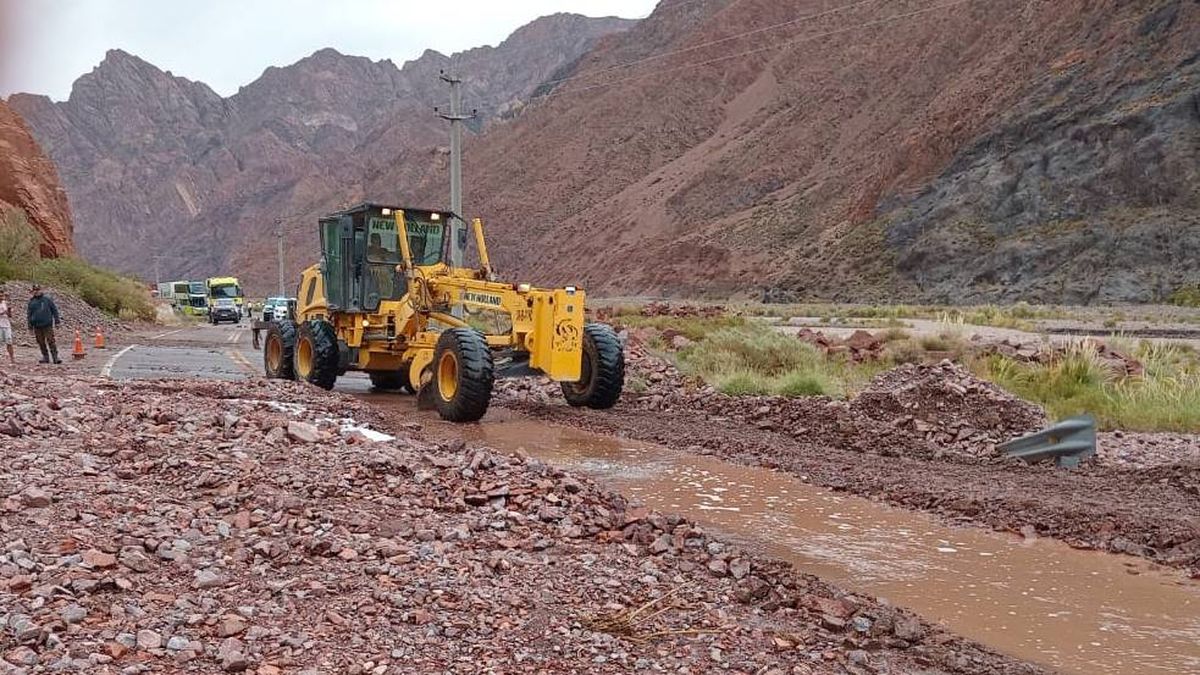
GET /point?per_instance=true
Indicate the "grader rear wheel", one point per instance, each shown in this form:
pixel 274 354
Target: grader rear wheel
pixel 462 375
pixel 603 373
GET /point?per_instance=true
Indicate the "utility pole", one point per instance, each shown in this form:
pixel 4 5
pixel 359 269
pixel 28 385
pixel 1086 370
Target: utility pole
pixel 158 269
pixel 456 118
pixel 279 241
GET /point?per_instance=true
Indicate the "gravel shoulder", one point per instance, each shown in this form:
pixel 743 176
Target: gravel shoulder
pixel 203 526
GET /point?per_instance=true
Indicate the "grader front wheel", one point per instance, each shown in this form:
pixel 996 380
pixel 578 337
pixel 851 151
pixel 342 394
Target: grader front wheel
pixel 316 355
pixel 462 375
pixel 278 350
pixel 603 373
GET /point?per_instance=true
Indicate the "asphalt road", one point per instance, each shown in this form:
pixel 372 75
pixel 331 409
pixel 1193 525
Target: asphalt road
pixel 222 352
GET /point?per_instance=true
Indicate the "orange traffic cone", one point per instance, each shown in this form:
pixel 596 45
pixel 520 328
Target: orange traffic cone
pixel 99 338
pixel 78 351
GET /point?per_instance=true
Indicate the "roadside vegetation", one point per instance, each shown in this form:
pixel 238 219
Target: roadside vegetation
pixel 1018 316
pixel 1187 296
pixel 740 356
pixel 19 260
pixel 1165 398
pixel 744 357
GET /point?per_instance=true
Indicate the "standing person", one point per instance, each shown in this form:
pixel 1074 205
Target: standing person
pixel 42 316
pixel 6 333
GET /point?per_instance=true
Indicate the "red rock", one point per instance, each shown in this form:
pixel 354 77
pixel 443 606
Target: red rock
pixel 30 182
pixel 99 559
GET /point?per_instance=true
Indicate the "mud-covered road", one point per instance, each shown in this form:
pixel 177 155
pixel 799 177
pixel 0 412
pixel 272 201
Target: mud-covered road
pixel 1153 513
pixel 1149 512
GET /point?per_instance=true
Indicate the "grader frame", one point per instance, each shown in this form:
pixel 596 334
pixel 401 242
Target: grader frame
pixel 383 300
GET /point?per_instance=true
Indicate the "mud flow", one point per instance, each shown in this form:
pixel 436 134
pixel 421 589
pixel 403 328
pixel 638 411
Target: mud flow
pixel 1036 599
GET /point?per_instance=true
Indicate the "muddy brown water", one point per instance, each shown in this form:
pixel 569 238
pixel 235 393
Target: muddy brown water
pixel 1038 600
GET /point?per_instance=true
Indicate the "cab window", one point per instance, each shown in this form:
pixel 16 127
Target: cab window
pixel 382 241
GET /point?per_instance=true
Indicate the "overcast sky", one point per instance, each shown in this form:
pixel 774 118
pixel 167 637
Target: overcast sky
pixel 46 44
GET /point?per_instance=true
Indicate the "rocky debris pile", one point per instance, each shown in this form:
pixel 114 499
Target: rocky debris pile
pixel 926 410
pixel 948 406
pixel 255 527
pixel 667 309
pixel 859 346
pixel 76 315
pixel 1145 450
pixel 1119 363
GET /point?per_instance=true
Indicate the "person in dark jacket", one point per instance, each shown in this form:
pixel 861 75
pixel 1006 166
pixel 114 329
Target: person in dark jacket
pixel 42 317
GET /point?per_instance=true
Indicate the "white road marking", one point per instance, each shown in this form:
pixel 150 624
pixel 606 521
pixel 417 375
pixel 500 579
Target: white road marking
pixel 170 332
pixel 106 371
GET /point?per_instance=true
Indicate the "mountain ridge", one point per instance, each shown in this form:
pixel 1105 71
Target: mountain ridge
pixel 167 164
pixel 903 151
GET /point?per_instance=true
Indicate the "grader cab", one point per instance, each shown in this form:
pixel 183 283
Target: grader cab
pixel 386 300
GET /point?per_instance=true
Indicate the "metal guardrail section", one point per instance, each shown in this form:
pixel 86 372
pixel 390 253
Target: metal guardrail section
pixel 1067 442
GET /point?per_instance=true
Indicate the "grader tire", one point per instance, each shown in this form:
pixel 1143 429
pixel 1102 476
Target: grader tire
pixel 462 375
pixel 278 349
pixel 603 373
pixel 391 380
pixel 316 354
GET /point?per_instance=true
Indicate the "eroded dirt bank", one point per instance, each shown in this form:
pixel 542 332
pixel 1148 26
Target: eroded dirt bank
pixel 250 527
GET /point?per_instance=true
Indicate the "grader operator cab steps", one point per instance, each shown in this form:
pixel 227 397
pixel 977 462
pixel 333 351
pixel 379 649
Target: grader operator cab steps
pixel 385 300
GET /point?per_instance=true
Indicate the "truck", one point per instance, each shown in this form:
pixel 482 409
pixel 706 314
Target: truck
pixel 224 288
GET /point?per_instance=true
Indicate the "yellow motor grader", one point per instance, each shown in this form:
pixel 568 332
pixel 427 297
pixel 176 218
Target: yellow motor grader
pixel 385 299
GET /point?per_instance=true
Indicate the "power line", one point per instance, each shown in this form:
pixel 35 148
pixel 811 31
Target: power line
pixel 737 36
pixel 800 40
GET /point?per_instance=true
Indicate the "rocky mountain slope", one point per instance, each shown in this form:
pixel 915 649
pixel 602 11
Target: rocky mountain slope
pixel 957 151
pixel 29 182
pixel 155 162
pixel 986 151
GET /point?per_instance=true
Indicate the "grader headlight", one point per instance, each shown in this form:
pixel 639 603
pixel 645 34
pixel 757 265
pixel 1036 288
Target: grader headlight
pixel 524 288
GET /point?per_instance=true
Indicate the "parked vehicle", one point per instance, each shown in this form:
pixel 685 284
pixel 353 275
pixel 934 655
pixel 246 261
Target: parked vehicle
pixel 224 309
pixel 224 287
pixel 276 308
pixel 175 292
pixel 197 304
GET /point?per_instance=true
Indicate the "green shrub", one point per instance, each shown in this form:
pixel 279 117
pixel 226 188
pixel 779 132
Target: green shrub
pixel 742 384
pixel 936 343
pixel 905 351
pixel 757 349
pixel 18 244
pixel 100 288
pixel 756 359
pixel 1165 398
pixel 1186 296
pixel 806 383
pixel 635 384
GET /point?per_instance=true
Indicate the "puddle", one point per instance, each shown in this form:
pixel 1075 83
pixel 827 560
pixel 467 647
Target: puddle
pixel 1038 600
